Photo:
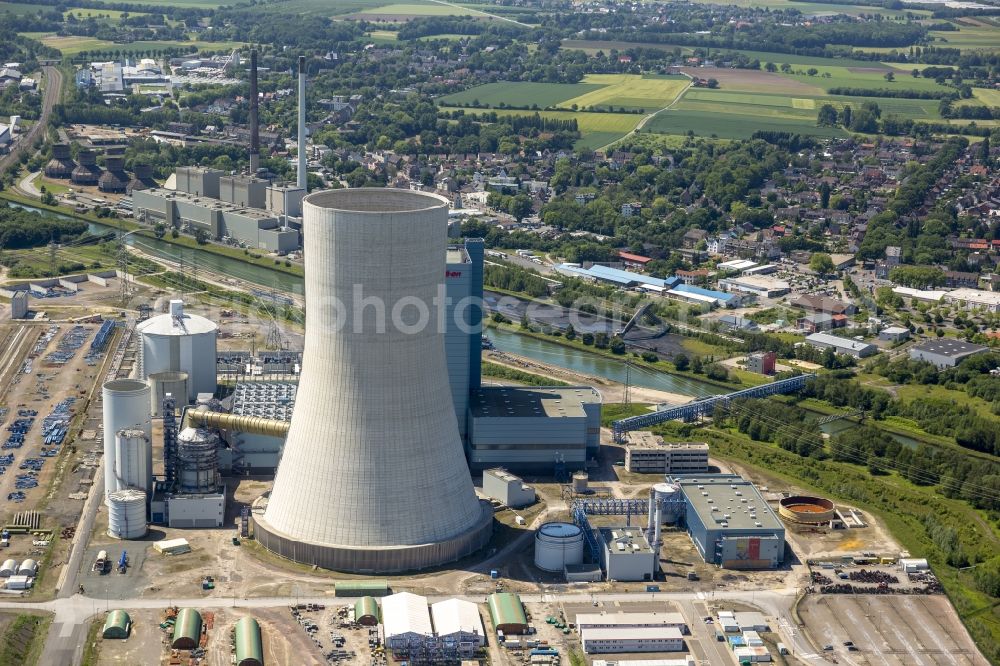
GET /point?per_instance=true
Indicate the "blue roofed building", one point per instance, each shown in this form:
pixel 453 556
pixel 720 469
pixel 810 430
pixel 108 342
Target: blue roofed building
pixel 691 293
pixel 616 276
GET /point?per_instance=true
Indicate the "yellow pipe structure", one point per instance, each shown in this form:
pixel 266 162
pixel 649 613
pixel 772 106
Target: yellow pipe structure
pixel 256 425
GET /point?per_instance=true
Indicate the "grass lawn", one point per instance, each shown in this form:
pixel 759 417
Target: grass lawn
pixel 52 186
pixel 383 36
pixel 702 348
pixel 911 392
pixel 519 93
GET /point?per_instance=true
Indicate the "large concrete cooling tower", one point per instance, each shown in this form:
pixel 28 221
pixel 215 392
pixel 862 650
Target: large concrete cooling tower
pixel 372 477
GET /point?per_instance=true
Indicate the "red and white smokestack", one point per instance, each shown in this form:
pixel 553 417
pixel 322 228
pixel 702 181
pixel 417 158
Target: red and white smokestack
pixel 254 119
pixel 302 123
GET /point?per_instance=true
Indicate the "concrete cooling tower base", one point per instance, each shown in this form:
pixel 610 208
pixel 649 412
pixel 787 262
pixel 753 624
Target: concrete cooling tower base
pixel 378 559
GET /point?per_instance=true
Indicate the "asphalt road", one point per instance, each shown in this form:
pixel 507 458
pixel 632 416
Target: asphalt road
pixel 53 86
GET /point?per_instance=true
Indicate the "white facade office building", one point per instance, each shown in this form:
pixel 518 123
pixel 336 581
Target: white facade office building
pixel 623 640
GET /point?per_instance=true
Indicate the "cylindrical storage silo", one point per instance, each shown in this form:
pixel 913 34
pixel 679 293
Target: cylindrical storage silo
pixel 580 482
pixel 197 460
pixel 558 544
pixel 8 569
pixel 127 514
pixel 28 568
pixel 671 502
pixel 179 342
pixel 126 406
pixel 174 383
pixel 133 460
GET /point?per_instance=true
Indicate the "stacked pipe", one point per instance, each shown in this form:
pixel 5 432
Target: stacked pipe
pixel 302 123
pixel 254 120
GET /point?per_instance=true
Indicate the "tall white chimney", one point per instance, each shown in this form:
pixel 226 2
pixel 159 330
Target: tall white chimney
pixel 302 123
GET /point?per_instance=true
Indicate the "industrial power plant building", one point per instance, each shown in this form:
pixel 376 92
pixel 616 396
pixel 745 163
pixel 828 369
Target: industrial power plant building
pixel 220 220
pixel 523 429
pixel 626 554
pixel 526 428
pixel 509 490
pixel 730 523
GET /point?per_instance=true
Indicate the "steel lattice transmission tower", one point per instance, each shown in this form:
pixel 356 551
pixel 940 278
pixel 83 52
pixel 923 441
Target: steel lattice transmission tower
pixel 122 261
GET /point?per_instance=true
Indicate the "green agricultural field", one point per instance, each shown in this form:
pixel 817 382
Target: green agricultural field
pixel 629 91
pixel 728 125
pixel 980 36
pixel 872 75
pixel 318 7
pixel 987 97
pixel 596 129
pixel 201 4
pixel 818 8
pixel 600 91
pixel 420 9
pixel 81 12
pixel 448 35
pixel 14 8
pixel 71 46
pixel 522 94
pixel 592 46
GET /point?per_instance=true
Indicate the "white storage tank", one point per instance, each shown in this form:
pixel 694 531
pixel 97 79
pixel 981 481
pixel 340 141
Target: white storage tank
pixel 671 501
pixel 9 568
pixel 127 514
pixel 197 460
pixel 580 480
pixel 558 544
pixel 174 383
pixel 28 568
pixel 179 342
pixel 133 460
pixel 126 406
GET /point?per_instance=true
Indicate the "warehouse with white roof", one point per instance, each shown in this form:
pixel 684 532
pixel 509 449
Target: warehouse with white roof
pixel 406 620
pixel 459 621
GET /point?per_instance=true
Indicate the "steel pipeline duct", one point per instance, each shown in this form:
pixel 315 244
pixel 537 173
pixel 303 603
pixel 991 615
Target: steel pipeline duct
pixel 255 425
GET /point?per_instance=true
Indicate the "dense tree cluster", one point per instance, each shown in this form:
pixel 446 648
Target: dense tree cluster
pixel 22 229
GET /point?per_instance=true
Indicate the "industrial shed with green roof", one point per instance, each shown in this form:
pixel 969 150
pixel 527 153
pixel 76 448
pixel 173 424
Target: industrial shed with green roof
pixel 187 630
pixel 366 611
pixel 507 613
pixel 362 588
pixel 117 625
pixel 249 649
